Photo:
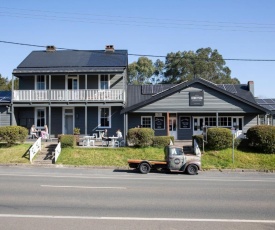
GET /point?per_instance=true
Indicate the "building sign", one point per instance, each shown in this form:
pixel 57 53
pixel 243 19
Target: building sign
pixel 196 98
pixel 185 123
pixel 159 122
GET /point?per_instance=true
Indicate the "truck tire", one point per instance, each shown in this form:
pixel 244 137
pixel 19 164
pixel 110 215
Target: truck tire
pixel 192 169
pixel 144 168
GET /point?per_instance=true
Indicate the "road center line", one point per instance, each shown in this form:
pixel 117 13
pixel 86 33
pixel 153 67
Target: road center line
pixel 137 218
pixel 82 187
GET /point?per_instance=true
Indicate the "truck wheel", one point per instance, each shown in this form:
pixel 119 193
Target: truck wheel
pixel 144 168
pixel 192 169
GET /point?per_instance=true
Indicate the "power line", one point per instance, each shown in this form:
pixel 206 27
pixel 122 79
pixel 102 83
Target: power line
pixel 136 21
pixel 137 55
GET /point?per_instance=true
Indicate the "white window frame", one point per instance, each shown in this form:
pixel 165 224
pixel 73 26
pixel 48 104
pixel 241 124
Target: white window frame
pixel 36 81
pixel 99 81
pixel 141 121
pixel 109 118
pixel 36 117
pixel 72 77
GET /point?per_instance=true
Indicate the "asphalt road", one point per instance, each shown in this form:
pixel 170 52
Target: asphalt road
pixel 85 198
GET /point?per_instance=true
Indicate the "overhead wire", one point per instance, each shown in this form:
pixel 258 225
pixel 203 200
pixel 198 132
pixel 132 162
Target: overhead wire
pixel 137 55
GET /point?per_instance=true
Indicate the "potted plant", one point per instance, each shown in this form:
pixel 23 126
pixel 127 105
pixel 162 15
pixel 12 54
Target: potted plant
pixel 76 131
pixel 76 134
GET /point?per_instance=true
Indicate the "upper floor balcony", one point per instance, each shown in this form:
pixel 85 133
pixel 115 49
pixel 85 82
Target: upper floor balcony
pixel 58 95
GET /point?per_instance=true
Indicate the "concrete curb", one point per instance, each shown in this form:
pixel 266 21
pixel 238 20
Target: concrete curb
pixel 126 168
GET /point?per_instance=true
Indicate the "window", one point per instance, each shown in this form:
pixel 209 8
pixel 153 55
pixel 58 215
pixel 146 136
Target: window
pixel 146 122
pixel 104 82
pixel 104 117
pixel 40 82
pixel 40 115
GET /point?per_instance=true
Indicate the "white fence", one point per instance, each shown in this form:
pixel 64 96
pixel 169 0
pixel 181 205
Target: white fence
pixel 36 147
pixel 57 151
pixel 69 95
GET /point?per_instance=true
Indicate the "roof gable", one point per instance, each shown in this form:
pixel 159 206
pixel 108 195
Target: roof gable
pixel 241 94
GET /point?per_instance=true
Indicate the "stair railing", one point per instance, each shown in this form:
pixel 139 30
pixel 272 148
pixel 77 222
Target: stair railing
pixel 36 147
pixel 57 151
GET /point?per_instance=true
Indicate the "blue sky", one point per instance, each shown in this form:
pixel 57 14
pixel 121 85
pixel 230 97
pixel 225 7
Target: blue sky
pixel 238 29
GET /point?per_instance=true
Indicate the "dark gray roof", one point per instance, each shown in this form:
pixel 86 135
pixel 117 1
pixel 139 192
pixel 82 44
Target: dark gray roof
pixel 136 99
pixel 5 96
pixel 73 61
pixel 267 103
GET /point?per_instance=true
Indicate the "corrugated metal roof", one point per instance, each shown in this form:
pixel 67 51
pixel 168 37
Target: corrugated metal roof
pixel 71 59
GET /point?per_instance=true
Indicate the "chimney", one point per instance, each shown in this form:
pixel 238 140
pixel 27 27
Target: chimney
pixel 109 48
pixel 250 86
pixel 50 48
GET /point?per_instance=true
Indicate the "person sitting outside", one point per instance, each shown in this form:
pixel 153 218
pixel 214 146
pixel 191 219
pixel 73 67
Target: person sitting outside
pixel 105 137
pixel 119 136
pixel 33 131
pixel 45 132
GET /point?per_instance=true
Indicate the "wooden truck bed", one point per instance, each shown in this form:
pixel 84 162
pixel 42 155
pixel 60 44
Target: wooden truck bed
pixel 152 162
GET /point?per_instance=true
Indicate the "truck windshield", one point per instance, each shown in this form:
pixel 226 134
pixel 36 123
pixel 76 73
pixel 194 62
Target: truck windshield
pixel 176 151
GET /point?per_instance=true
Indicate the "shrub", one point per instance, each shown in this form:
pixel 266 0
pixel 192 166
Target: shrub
pixel 219 138
pixel 13 134
pixel 262 137
pixel 140 137
pixel 67 141
pixel 162 141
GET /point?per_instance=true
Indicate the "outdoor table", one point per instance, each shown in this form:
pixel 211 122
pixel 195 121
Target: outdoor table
pixel 113 138
pixel 88 140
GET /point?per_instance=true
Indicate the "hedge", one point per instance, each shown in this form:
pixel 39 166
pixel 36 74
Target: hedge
pixel 219 138
pixel 140 137
pixel 262 137
pixel 162 141
pixel 13 134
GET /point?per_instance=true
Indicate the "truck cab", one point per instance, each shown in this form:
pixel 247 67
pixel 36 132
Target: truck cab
pixel 177 160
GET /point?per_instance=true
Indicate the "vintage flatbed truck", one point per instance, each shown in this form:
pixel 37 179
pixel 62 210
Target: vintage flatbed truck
pixel 175 160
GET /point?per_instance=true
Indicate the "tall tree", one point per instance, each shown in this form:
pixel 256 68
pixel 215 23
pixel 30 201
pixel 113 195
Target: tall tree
pixel 141 71
pixel 205 63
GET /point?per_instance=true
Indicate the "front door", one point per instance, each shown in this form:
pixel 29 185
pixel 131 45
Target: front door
pixel 68 121
pixel 198 123
pixel 173 127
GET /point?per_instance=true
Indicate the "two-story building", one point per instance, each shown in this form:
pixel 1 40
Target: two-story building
pixel 88 89
pixel 71 88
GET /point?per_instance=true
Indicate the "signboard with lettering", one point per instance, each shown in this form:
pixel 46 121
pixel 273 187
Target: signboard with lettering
pixel 159 123
pixel 196 98
pixel 185 122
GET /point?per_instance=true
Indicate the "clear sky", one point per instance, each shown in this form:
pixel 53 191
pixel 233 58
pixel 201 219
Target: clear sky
pixel 238 29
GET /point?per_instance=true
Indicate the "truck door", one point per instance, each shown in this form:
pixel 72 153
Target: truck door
pixel 176 158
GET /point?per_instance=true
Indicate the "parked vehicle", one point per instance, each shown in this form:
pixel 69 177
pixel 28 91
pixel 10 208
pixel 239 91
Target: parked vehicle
pixel 175 160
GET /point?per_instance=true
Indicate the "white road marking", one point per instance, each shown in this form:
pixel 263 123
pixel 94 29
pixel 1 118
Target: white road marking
pixel 82 187
pixel 144 177
pixel 138 218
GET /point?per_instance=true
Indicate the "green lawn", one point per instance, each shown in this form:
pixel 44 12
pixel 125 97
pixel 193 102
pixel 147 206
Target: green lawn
pixel 118 157
pixel 15 154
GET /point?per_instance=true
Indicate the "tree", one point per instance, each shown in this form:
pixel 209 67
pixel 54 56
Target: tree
pixel 3 83
pixel 205 63
pixel 6 84
pixel 141 71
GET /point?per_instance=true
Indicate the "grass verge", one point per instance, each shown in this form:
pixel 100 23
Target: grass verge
pixel 118 157
pixel 15 154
